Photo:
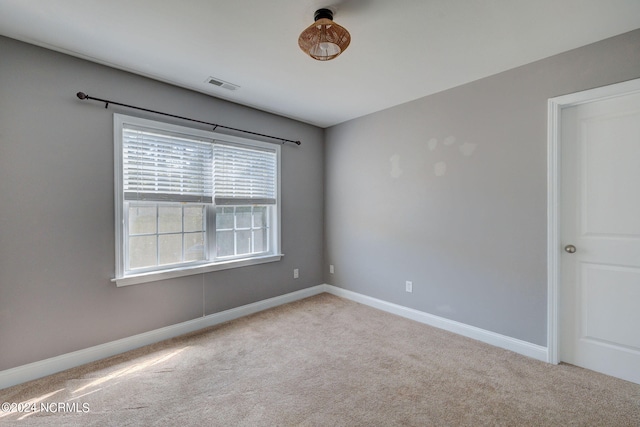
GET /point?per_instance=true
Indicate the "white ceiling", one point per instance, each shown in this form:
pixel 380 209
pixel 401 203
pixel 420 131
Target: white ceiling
pixel 400 50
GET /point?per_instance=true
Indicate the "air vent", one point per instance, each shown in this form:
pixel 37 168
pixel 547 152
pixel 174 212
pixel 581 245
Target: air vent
pixel 221 83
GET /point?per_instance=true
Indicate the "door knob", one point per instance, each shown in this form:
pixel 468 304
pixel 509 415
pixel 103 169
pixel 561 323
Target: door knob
pixel 570 248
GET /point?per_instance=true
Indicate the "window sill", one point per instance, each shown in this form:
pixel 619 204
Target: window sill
pixel 154 276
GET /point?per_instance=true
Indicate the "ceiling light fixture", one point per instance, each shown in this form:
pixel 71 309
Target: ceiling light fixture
pixel 324 39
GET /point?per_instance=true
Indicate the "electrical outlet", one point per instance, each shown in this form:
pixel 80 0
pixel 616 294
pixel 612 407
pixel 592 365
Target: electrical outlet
pixel 408 286
pixel 331 269
pixel 296 273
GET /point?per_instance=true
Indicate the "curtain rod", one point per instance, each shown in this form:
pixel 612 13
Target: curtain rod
pixel 83 96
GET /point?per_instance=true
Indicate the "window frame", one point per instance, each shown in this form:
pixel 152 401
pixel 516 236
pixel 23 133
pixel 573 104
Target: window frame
pixel 124 277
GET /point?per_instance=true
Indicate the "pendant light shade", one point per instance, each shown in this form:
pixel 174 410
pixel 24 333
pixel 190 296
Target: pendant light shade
pixel 324 39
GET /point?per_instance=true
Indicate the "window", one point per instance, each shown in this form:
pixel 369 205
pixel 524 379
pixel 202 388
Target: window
pixel 190 201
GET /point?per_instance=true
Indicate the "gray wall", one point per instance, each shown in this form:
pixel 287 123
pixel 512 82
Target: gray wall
pixel 57 209
pixel 449 191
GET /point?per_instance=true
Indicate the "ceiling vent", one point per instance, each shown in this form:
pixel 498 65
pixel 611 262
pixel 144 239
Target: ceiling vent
pixel 221 83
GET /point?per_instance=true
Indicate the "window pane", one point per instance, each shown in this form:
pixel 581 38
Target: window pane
pixel 243 242
pixel 243 217
pixel 259 216
pixel 142 219
pixel 170 251
pixel 260 240
pixel 193 218
pixel 194 247
pixel 170 219
pixel 224 219
pixel 142 251
pixel 224 243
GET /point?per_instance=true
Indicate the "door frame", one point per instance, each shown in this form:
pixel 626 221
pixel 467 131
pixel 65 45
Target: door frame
pixel 554 213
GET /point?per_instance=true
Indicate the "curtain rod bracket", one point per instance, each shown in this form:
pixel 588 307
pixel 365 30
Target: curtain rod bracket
pixel 82 95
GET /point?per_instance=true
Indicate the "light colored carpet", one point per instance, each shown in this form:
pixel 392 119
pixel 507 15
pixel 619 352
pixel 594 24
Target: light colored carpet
pixel 326 361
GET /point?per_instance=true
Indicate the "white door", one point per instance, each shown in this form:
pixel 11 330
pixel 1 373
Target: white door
pixel 600 217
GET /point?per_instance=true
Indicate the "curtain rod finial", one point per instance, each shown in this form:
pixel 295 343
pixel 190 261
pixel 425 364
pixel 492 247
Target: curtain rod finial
pixel 82 95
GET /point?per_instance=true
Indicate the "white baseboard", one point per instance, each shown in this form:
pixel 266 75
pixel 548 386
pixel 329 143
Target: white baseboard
pixel 56 364
pixel 518 346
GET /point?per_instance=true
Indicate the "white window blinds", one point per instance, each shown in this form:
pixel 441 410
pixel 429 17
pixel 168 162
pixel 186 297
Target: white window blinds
pixel 165 167
pixel 244 176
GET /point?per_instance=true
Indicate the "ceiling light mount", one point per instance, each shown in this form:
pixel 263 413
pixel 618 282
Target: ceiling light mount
pixel 323 14
pixel 324 39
